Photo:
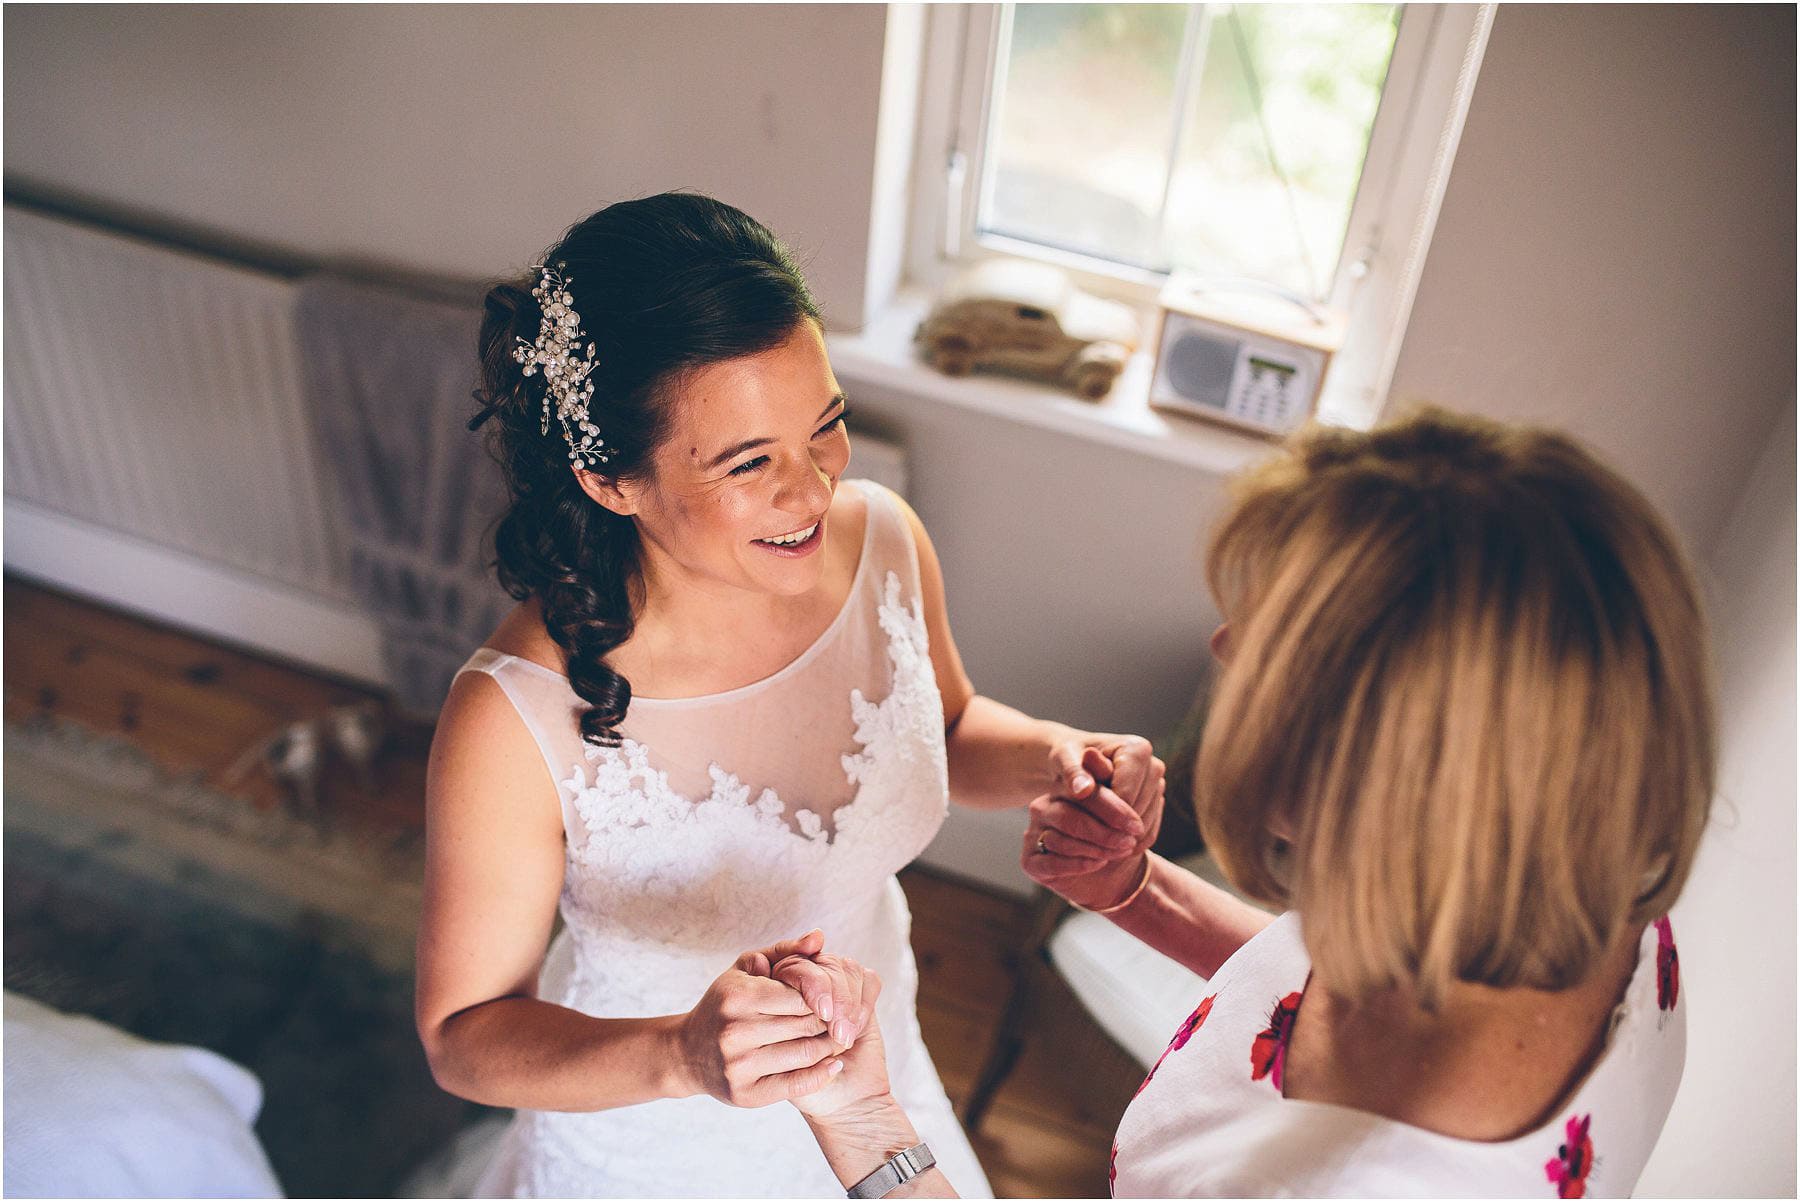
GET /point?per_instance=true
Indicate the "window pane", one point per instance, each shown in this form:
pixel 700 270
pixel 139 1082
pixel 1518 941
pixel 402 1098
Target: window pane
pixel 1078 147
pixel 1275 139
pixel 1268 121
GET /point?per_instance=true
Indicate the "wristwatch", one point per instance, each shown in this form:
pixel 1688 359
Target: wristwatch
pixel 900 1168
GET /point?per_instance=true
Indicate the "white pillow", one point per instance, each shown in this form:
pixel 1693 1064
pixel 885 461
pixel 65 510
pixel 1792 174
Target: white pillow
pixel 92 1111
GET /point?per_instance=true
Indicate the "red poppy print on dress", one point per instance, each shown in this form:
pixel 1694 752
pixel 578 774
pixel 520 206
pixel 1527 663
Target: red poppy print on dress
pixel 1269 1051
pixel 1668 966
pixel 1568 1169
pixel 1189 1025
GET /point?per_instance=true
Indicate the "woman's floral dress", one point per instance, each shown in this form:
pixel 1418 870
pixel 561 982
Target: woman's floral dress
pixel 1211 1121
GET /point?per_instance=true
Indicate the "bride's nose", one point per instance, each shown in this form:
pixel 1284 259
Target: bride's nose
pixel 805 488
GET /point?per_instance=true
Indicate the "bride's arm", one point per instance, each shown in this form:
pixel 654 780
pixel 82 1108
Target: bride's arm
pixel 494 868
pixel 1001 758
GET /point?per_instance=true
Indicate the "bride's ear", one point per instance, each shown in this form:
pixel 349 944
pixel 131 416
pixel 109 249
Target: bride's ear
pixel 607 492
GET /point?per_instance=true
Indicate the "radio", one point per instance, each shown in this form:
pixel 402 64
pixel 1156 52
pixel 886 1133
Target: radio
pixel 1254 362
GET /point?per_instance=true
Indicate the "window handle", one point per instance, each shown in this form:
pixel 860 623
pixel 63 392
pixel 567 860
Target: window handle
pixel 955 174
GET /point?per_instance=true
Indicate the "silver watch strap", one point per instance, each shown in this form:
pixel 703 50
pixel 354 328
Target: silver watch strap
pixel 900 1168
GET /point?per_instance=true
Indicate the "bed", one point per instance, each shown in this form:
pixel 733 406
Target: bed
pixel 93 1111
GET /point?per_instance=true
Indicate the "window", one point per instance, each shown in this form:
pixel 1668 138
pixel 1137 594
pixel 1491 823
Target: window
pixel 1296 149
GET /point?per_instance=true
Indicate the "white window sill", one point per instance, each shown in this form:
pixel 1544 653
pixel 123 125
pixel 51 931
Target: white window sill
pixel 882 356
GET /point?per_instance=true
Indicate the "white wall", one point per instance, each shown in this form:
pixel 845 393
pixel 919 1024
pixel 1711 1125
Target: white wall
pixel 1734 924
pixel 455 140
pixel 1615 253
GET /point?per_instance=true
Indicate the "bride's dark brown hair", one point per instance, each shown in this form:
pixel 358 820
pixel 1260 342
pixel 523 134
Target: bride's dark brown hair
pixel 663 285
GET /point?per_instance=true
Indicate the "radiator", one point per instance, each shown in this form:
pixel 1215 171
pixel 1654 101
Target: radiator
pixel 158 394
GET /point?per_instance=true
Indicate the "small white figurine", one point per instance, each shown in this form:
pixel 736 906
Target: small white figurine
pixel 358 733
pixel 294 755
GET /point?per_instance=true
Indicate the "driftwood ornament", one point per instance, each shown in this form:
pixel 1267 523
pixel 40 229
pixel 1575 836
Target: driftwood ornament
pixel 1028 319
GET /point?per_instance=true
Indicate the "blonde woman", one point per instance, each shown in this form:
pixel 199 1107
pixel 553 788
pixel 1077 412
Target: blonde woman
pixel 1464 736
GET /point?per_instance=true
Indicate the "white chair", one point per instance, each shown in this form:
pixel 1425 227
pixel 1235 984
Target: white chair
pixel 1135 994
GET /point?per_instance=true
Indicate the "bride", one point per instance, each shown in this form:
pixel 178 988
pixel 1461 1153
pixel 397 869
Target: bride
pixel 727 708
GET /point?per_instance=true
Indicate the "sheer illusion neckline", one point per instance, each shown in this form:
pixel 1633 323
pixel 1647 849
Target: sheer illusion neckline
pixel 782 673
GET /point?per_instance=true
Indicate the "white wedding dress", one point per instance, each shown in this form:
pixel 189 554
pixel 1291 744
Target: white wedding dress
pixel 726 823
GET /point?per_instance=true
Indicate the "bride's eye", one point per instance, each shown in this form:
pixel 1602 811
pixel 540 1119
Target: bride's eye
pixel 751 466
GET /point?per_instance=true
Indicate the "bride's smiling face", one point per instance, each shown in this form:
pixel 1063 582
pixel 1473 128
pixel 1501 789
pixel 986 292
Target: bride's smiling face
pixel 739 490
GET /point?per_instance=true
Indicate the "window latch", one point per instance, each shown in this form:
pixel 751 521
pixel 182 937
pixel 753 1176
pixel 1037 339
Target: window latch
pixel 955 174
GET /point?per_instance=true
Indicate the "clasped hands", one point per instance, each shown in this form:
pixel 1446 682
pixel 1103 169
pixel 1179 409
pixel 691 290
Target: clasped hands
pixel 777 1024
pixel 1087 838
pixel 792 1022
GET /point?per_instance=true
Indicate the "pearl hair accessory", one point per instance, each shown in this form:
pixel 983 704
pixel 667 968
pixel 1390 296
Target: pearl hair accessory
pixel 565 371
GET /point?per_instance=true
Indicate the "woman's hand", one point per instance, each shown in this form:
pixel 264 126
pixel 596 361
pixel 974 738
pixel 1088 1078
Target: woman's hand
pixel 840 991
pixel 863 1080
pixel 1091 848
pixel 1068 850
pixel 862 1077
pixel 752 1041
pixel 857 1121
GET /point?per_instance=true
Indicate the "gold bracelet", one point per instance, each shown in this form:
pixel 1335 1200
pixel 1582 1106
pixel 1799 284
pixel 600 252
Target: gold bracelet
pixel 1129 897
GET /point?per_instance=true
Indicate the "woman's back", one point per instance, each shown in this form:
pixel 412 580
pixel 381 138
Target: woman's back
pixel 1215 1119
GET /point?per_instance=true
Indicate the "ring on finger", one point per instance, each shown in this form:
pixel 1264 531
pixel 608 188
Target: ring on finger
pixel 1041 849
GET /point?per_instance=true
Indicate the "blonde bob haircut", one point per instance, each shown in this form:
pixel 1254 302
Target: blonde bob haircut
pixel 1468 669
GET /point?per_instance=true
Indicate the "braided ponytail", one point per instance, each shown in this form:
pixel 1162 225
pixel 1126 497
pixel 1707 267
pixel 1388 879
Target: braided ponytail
pixel 662 285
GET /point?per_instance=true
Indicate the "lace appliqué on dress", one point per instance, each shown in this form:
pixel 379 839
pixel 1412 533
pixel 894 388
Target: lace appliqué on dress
pixel 909 724
pixel 659 865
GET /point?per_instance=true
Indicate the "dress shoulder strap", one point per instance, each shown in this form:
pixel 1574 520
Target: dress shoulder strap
pixel 889 544
pixel 546 704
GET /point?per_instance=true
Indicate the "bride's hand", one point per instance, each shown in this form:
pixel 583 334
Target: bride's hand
pixel 1125 764
pixel 753 1041
pixel 1086 849
pixel 1105 802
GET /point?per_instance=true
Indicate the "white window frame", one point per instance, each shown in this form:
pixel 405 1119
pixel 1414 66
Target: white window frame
pixel 1437 52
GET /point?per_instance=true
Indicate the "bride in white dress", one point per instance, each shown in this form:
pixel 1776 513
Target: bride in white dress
pixel 727 710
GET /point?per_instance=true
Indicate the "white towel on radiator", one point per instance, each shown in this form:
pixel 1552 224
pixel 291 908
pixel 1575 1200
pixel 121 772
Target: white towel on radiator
pixel 388 382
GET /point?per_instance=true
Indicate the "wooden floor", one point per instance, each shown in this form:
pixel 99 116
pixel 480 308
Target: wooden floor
pixel 194 706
